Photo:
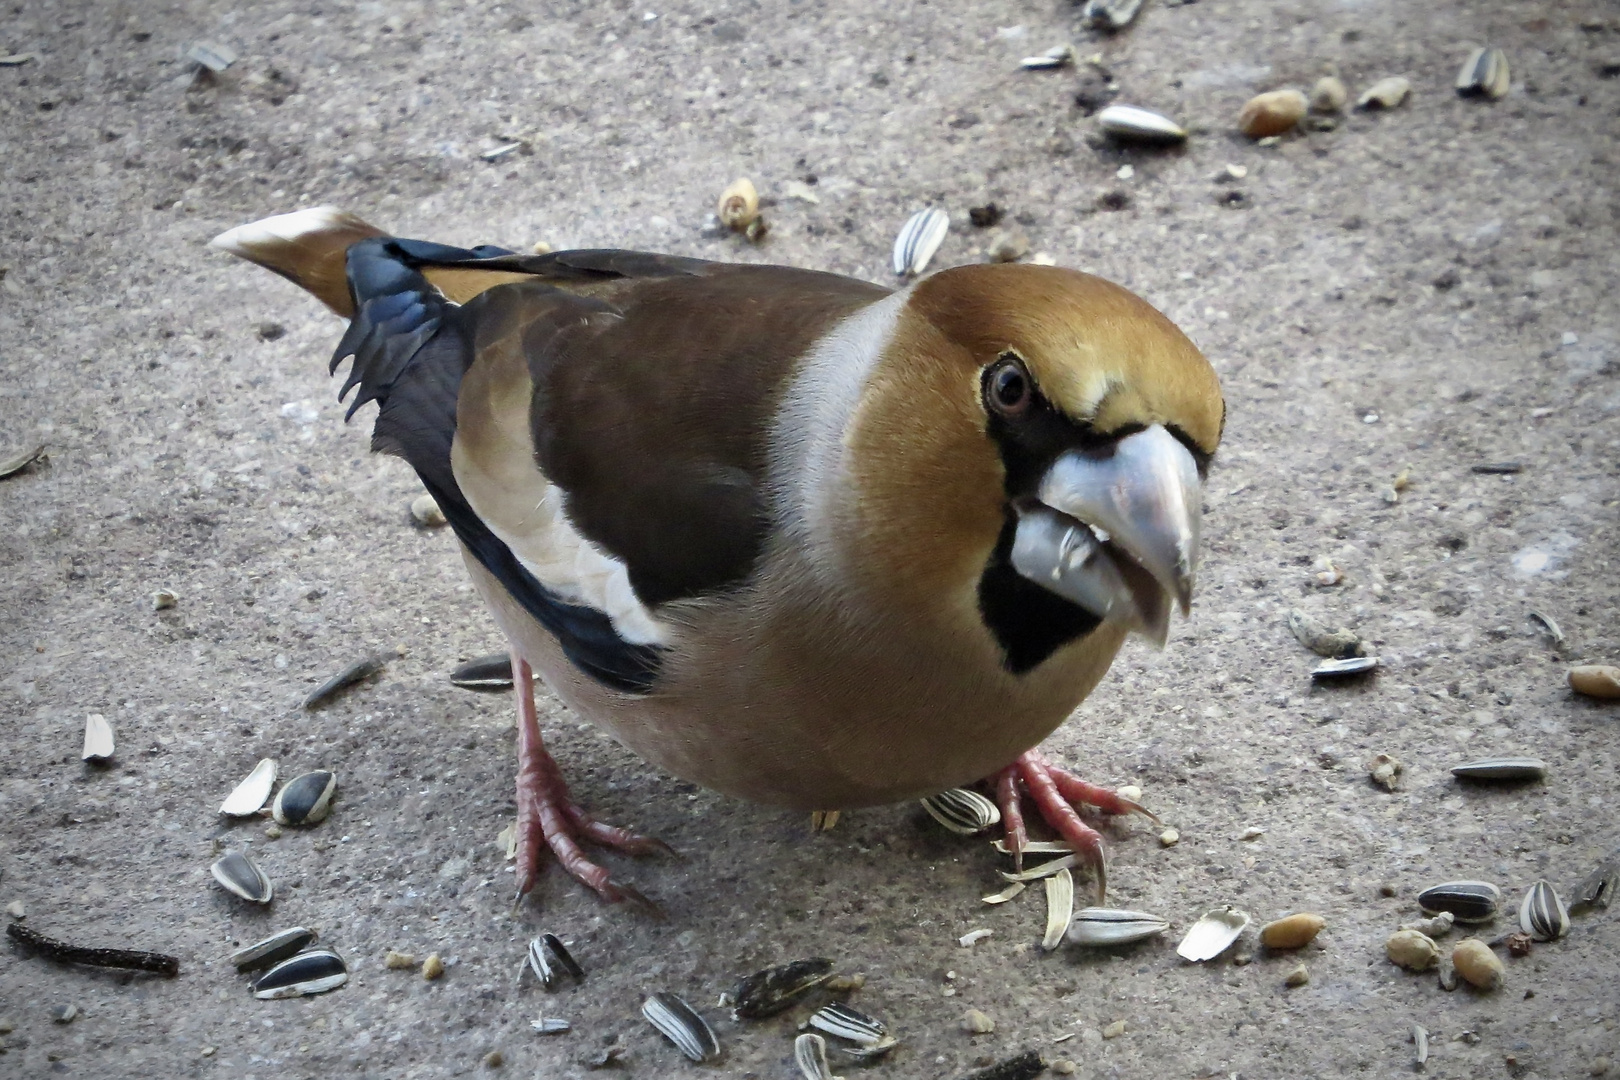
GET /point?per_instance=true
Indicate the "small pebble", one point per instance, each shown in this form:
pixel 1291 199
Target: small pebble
pixel 272 831
pixel 1169 838
pixel 65 1014
pixel 1253 832
pixel 399 961
pixel 1435 927
pixel 1131 792
pixel 1385 771
pixel 1008 247
pixel 1273 113
pixel 1298 977
pixel 208 1051
pixel 1596 680
pixel 432 967
pixel 1328 95
pixel 977 1023
pixel 163 599
pixel 426 512
pixel 1065 1067
pixel 1476 963
pixel 1599 1067
pixel 494 1060
pixel 1385 93
pixel 7 1025
pixel 17 910
pixel 1114 1030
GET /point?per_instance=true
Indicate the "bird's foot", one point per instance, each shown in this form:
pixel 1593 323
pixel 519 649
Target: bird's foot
pixel 546 814
pixel 1055 793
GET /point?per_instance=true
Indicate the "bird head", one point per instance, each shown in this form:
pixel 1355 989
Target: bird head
pixel 1030 442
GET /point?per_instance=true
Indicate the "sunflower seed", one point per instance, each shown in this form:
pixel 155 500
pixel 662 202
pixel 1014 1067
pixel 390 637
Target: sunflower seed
pixel 1055 57
pixel 360 669
pixel 313 972
pixel 565 959
pixel 535 960
pixel 768 992
pixel 1385 93
pixel 1110 14
pixel 1044 870
pixel 98 739
pixel 1484 74
pixel 306 799
pixel 1005 894
pixel 1468 901
pixel 1130 123
pixel 1598 888
pixel 867 1032
pixel 919 239
pixel 810 1054
pixel 962 811
pixel 551 1026
pixel 15 463
pixel 1543 915
pixel 1554 631
pixel 1095 926
pixel 1059 908
pixel 1514 768
pixel 1213 934
pixel 680 1024
pixel 248 797
pixel 273 949
pixel 492 672
pixel 1037 847
pixel 1338 644
pixel 1333 669
pixel 238 874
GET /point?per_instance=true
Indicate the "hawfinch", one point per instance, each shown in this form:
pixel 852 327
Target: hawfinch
pixel 792 536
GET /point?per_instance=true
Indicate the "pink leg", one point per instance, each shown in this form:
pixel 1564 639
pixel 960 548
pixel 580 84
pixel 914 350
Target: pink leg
pixel 545 812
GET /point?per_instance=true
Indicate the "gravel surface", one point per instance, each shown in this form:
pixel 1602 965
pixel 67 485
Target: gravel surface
pixel 1414 292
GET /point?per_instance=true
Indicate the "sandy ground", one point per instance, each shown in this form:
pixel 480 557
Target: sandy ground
pixel 1416 292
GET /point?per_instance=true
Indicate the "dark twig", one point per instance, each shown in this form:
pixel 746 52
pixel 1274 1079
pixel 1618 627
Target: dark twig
pixel 107 958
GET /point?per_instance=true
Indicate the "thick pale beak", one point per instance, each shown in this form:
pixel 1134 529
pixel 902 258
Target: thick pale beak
pixel 1117 533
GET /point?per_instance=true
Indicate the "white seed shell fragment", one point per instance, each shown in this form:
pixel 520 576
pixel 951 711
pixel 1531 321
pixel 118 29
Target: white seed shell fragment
pixel 962 811
pixel 680 1024
pixel 1094 926
pixel 1132 123
pixel 306 799
pixel 1213 934
pixel 1435 926
pixel 973 937
pixel 273 949
pixel 1543 915
pixel 313 972
pixel 1596 889
pixel 1005 894
pixel 1484 74
pixel 1333 669
pixel 1059 908
pixel 535 961
pixel 238 874
pixel 1596 680
pixel 810 1054
pixel 919 239
pixel 1037 847
pixel 867 1032
pixel 249 796
pixel 1055 57
pixel 1385 93
pixel 1420 1040
pixel 1518 768
pixel 1110 14
pixel 551 1025
pixel 1044 870
pixel 98 739
pixel 215 58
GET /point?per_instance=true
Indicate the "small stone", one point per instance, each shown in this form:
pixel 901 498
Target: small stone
pixel 1570 337
pixel 541 248
pixel 1298 977
pixel 1596 680
pixel 17 910
pixel 1131 792
pixel 272 331
pixel 1253 832
pixel 975 1022
pixel 1385 93
pixel 1519 944
pixel 1412 950
pixel 65 1014
pixel 1448 977
pixel 163 599
pixel 1065 1067
pixel 7 1025
pixel 1233 172
pixel 1476 963
pixel 1599 1067
pixel 272 831
pixel 1169 838
pixel 494 1060
pixel 1114 1030
pixel 1385 771
pixel 1328 95
pixel 1272 113
pixel 1009 246
pixel 432 967
pixel 399 961
pixel 208 1051
pixel 425 509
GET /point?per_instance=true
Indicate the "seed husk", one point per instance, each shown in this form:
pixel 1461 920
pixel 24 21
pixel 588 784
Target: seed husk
pixel 1468 901
pixel 1213 934
pixel 1412 950
pixel 1292 931
pixel 1316 636
pixel 1110 14
pixel 98 739
pixel 1554 631
pixel 1036 847
pixel 1059 908
pixel 1386 93
pixel 551 1026
pixel 1543 915
pixel 682 1025
pixel 768 992
pixel 1518 768
pixel 1056 57
pixel 1005 894
pixel 492 672
pixel 425 508
pixel 239 874
pixel 810 1054
pixel 1436 926
pixel 1338 669
pixel 1385 771
pixel 1598 888
pixel 1044 870
pixel 273 949
pixel 1130 123
pixel 564 958
pixel 1477 964
pixel 1025 1066
pixel 1272 113
pixel 919 239
pixel 1420 1043
pixel 360 669
pixel 867 1032
pixel 1484 74
pixel 1097 927
pixel 962 811
pixel 535 960
pixel 16 463
pixel 248 797
pixel 1596 680
pixel 1328 95
pixel 313 972
pixel 306 799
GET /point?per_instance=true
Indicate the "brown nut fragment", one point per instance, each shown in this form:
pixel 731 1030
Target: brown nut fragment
pixel 1413 951
pixel 1272 113
pixel 1292 931
pixel 1475 962
pixel 1596 680
pixel 1519 944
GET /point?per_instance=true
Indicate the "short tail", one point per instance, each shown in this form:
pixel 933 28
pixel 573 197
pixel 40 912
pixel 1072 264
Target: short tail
pixel 307 247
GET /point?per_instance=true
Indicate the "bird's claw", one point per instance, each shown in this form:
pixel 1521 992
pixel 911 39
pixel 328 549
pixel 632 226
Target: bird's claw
pixel 1055 794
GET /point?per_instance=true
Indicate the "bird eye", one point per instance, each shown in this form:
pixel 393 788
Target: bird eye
pixel 1007 388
